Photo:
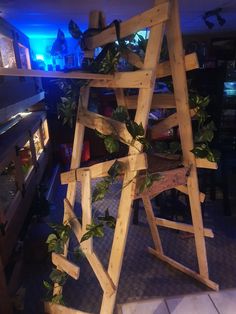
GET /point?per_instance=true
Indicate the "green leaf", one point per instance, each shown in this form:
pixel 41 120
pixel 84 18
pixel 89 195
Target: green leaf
pixel 134 129
pixel 101 189
pixel 111 144
pixel 78 253
pixel 110 221
pixel 99 134
pixel 58 277
pixel 115 169
pixel 94 230
pixel 48 285
pixel 51 237
pixel 120 114
pixel 58 299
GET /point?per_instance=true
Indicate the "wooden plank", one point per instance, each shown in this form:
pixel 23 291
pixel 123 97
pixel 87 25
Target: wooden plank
pixel 120 97
pixel 86 204
pixel 124 210
pixel 184 189
pixel 176 55
pixel 181 226
pixel 154 16
pixel 53 308
pixel 169 179
pixel 209 283
pixel 101 274
pixel 163 68
pixel 204 163
pixel 152 224
pixel 104 125
pixel 55 74
pixel 134 79
pixel 65 265
pixel 164 125
pixel 129 163
pixel 165 101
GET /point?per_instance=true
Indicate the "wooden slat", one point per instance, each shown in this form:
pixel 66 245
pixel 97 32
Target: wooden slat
pixel 134 79
pixel 181 226
pixel 204 163
pixel 169 180
pixel 101 274
pixel 55 74
pixel 190 61
pixel 104 125
pixel 184 189
pixel 65 265
pixel 158 101
pixel 53 308
pixel 129 163
pixel 86 204
pixel 152 224
pixel 120 97
pixel 132 57
pixel 184 269
pixel 176 55
pixel 164 125
pixel 124 210
pixel 151 17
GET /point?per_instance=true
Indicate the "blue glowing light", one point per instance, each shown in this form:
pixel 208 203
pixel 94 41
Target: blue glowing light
pixel 39 57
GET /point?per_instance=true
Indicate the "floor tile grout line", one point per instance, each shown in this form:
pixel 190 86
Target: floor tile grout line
pixel 165 301
pixel 213 303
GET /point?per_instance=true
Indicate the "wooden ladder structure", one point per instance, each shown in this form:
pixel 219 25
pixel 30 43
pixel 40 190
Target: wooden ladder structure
pixel 162 19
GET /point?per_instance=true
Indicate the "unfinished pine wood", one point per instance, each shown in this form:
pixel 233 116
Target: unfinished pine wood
pixel 129 163
pixel 104 125
pixel 55 74
pixel 156 15
pixel 176 55
pixel 120 97
pixel 159 101
pixel 65 265
pixel 169 179
pixel 137 79
pixel 204 163
pixel 132 57
pixel 124 210
pixel 53 308
pixel 86 203
pixel 165 124
pixel 152 224
pixel 205 280
pixel 181 226
pixel 184 189
pixel 190 63
pixel 71 219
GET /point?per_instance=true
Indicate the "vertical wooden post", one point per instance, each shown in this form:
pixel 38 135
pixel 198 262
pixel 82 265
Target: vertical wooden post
pixel 176 55
pixel 124 210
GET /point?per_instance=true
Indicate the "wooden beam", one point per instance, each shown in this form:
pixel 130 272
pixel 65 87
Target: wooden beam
pixel 181 226
pixel 204 163
pixel 154 16
pixel 72 220
pixel 158 101
pixel 53 308
pixel 134 79
pixel 184 269
pixel 165 124
pixel 55 74
pixel 184 189
pixel 120 97
pixel 86 204
pixel 104 125
pixel 65 265
pixel 129 163
pixel 190 60
pixel 132 57
pixel 169 179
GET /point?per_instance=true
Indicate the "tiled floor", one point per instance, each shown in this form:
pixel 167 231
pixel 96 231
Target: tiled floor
pixel 223 302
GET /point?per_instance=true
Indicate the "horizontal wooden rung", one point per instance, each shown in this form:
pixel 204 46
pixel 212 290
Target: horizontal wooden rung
pixel 184 189
pixel 129 163
pixel 206 281
pixel 158 101
pixel 181 226
pixel 53 308
pixel 55 74
pixel 156 15
pixel 134 79
pixel 67 266
pixel 204 163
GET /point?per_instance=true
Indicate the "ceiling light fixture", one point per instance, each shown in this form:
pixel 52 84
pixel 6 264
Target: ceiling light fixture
pixel 213 13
